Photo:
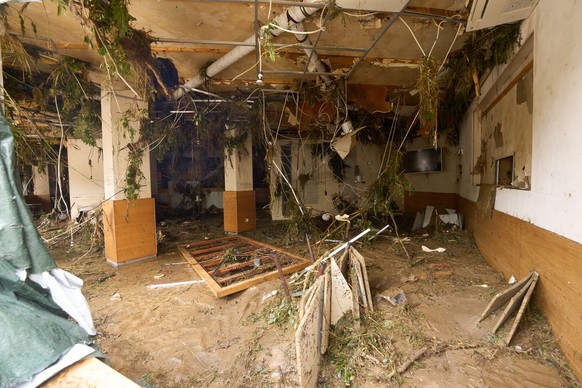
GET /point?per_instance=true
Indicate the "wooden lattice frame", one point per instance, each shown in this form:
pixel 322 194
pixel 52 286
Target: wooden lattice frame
pixel 208 260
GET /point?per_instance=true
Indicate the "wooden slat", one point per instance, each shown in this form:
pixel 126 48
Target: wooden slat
pixel 522 308
pixel 502 297
pixel 89 372
pixel 514 246
pixel 364 272
pixel 214 287
pixel 207 243
pixel 513 302
pixel 326 321
pixel 231 289
pixel 308 337
pixel 231 278
pixel 212 249
pixel 355 296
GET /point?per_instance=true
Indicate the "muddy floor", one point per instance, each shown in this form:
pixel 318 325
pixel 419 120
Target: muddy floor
pixel 184 336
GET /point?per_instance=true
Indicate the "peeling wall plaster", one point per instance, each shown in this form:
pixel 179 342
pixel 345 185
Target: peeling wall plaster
pixel 554 202
pixel 507 131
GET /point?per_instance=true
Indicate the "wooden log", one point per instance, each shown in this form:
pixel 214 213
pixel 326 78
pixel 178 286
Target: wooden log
pixel 502 297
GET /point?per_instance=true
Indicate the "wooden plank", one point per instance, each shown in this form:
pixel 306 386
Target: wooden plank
pixel 356 267
pixel 341 294
pixel 365 274
pixel 522 308
pixel 502 297
pixel 517 298
pixel 520 64
pixel 214 287
pixel 89 372
pixel 326 321
pixel 343 261
pixel 355 298
pixel 308 338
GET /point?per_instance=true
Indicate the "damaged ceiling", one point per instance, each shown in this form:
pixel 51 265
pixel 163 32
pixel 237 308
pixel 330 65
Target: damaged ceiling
pixel 376 45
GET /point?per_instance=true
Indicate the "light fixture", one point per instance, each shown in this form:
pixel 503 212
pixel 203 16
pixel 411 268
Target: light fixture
pixel 260 81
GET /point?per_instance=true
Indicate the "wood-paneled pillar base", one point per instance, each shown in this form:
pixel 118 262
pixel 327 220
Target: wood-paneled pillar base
pixel 129 230
pixel 240 212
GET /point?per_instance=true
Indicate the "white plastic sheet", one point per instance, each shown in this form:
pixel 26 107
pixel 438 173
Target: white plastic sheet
pixel 65 289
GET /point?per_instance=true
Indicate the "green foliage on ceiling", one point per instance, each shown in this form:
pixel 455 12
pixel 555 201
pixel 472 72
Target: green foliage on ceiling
pixel 429 94
pixel 481 52
pixel 126 50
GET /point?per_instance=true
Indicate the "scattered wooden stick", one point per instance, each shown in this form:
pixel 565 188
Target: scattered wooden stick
pixel 282 278
pixel 403 367
pixel 167 285
pixel 309 247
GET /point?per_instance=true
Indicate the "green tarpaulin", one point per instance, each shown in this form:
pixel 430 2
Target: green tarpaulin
pixel 34 330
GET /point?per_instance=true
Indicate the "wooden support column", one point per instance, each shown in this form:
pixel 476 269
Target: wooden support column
pixel 239 197
pixel 129 226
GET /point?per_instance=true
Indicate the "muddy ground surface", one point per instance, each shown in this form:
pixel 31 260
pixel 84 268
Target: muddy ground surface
pixel 185 336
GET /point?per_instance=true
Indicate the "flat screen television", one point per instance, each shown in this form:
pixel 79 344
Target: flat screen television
pixel 425 160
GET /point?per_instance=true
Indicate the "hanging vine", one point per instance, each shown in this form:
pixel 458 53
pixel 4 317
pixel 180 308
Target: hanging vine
pixel 126 51
pixel 428 91
pixel 481 52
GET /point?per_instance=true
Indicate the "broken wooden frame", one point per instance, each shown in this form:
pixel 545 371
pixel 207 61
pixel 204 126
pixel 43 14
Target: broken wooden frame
pixel 519 292
pixel 323 304
pixel 232 264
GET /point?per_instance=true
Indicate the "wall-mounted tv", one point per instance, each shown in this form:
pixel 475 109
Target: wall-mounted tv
pixel 426 160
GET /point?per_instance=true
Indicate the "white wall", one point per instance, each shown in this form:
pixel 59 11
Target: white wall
pixel 85 175
pixel 41 181
pixel 435 182
pixel 322 186
pixel 555 199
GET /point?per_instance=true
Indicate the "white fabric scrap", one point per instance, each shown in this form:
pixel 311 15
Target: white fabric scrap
pixel 427 249
pixel 65 290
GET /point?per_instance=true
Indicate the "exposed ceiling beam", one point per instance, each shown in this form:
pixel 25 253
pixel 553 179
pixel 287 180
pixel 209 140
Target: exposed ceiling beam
pixel 374 42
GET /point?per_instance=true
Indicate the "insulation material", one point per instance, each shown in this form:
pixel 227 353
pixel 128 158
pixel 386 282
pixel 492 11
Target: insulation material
pixel 361 95
pixel 344 144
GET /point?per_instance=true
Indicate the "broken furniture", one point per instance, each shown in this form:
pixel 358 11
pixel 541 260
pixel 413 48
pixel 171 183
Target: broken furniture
pixel 519 292
pixel 233 264
pixel 323 304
